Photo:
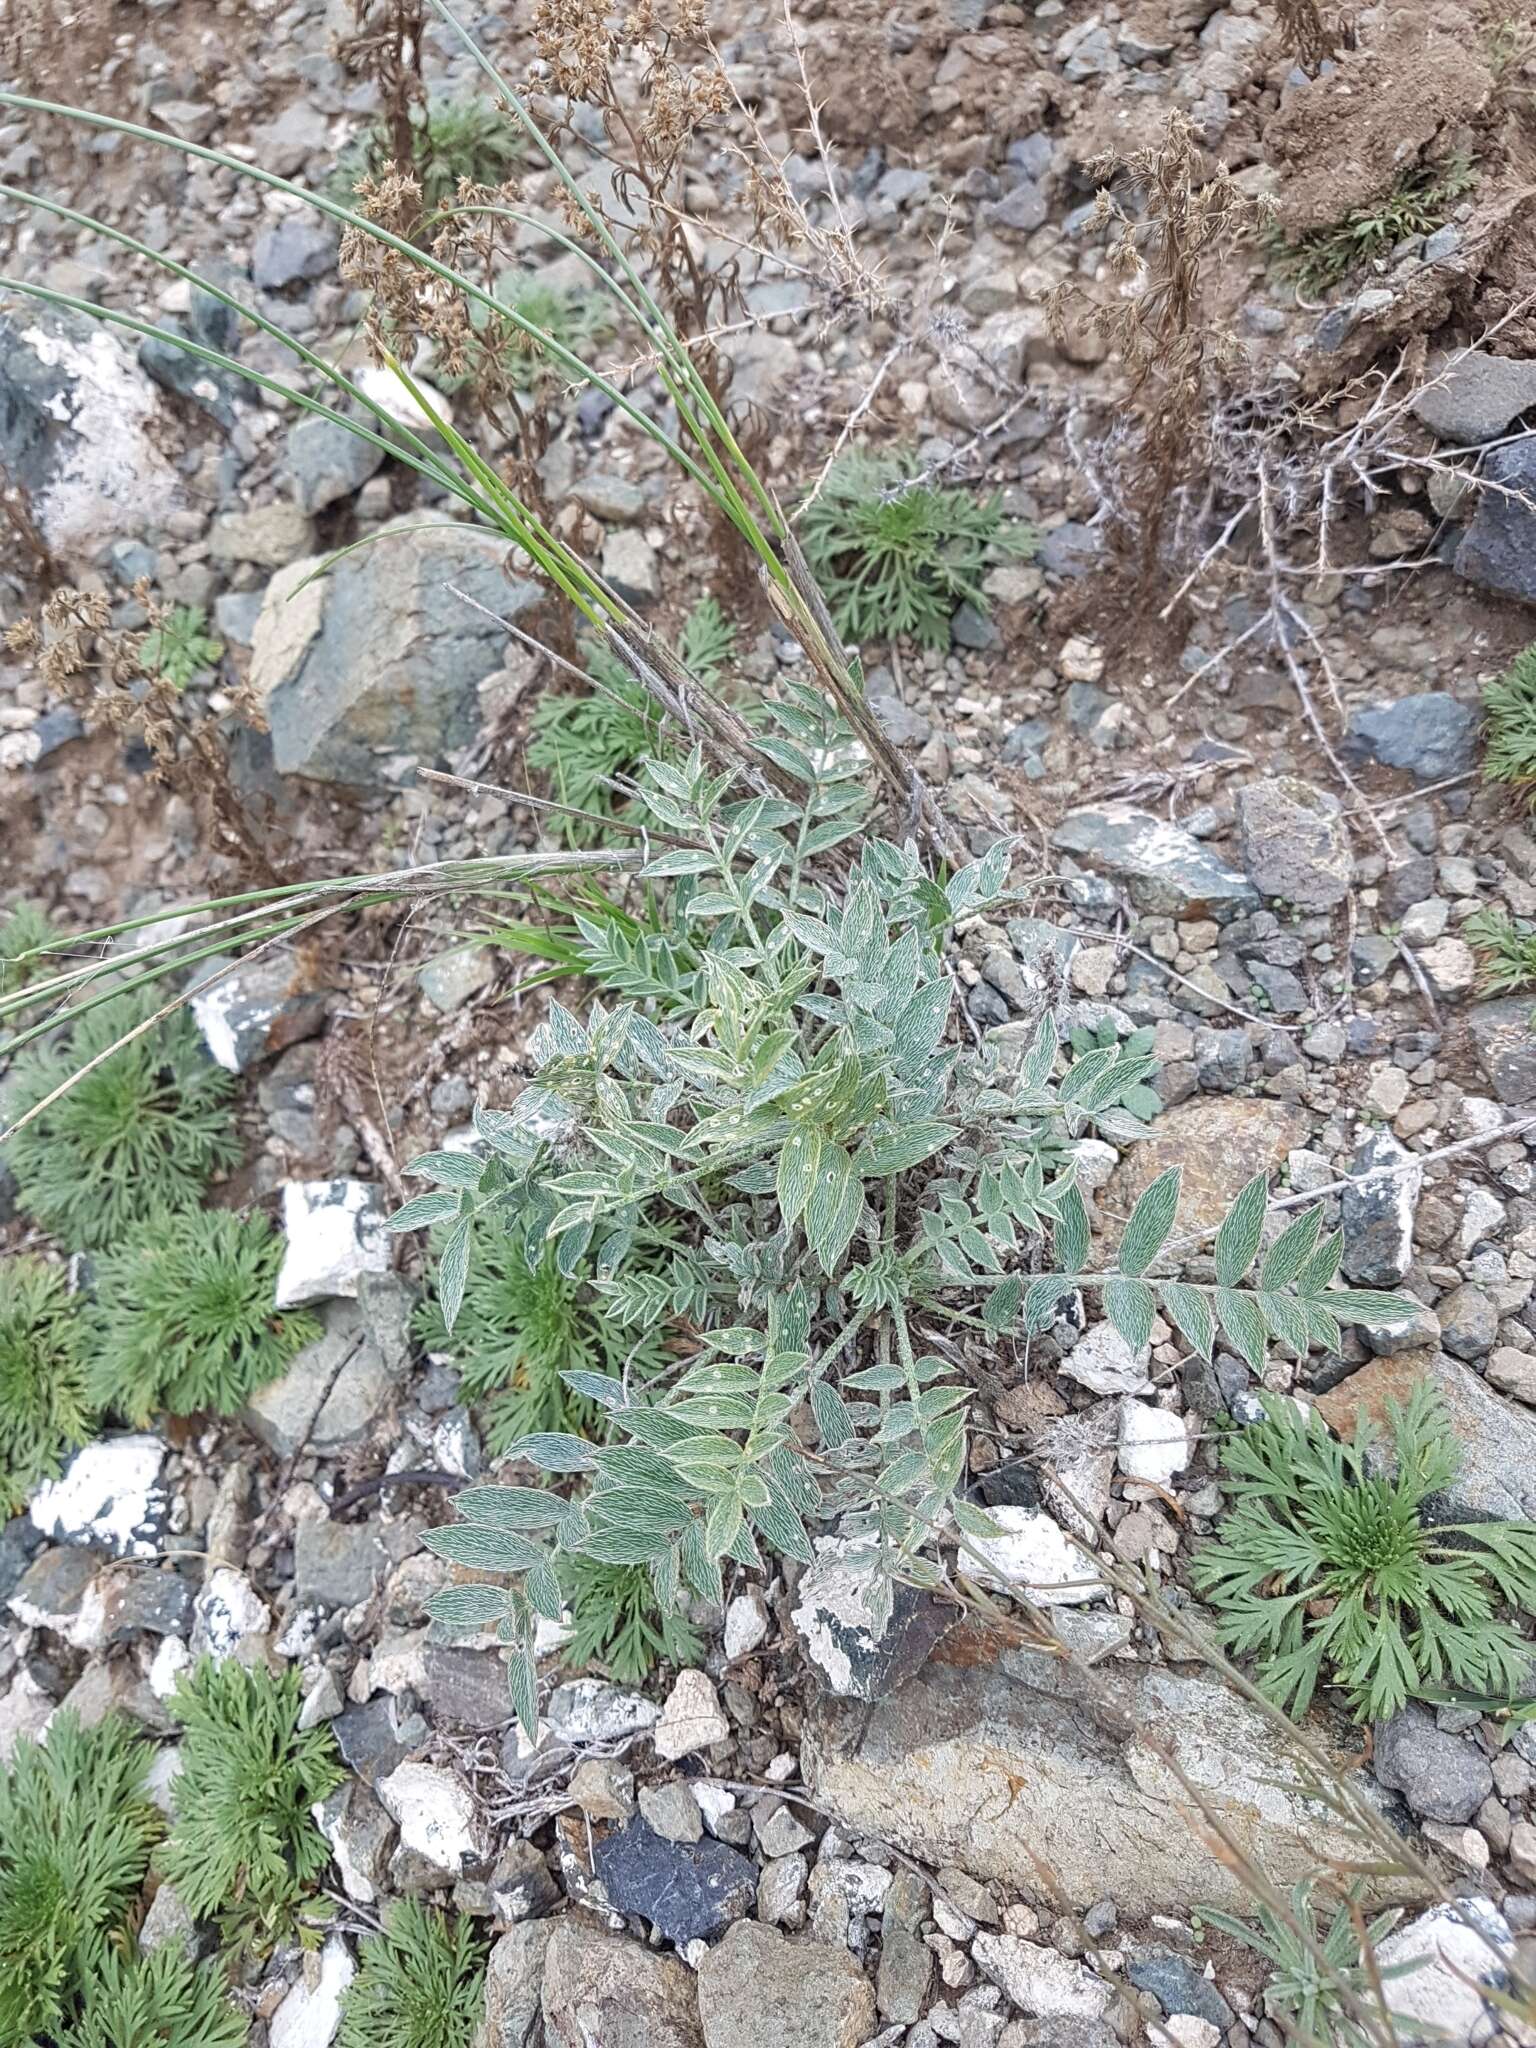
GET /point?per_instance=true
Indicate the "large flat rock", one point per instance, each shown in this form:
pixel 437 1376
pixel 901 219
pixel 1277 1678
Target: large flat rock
pixel 1017 1766
pixel 1220 1142
pixel 1497 1438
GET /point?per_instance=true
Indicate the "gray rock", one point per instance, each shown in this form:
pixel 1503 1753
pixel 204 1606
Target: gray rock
pixel 332 1393
pixel 229 1618
pixel 1022 210
pixel 858 1658
pixel 1498 549
pixel 1295 844
pixel 1070 549
pixel 336 1564
pixel 602 1987
pixel 514 1982
pixel 1166 870
pixel 1472 397
pixel 143 1600
pixel 587 1710
pixel 335 1232
pixel 521 1885
pixel 613 499
pixel 218 392
pixel 109 1496
pixel 435 1812
pixel 1433 736
pixel 922 1766
pixel 688 1891
pixel 51 1593
pixel 380 657
pixel 1040 1981
pixel 168 1922
pixel 906 1962
pixel 758 1989
pixel 1469 1321
pixel 1443 1777
pixel 83 434
pixel 258 1009
pixel 1446 1963
pixel 361 1835
pixel 466 1688
pixel 971 628
pixel 672 1812
pixel 293 251
pixel 1178 1987
pixel 269 536
pixel 1378 1214
pixel 629 564
pixel 324 462
pixel 781 1892
pixel 372 1740
pixel 453 978
pixel 1506 1048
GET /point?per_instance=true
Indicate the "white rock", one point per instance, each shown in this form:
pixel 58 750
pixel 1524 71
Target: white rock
pixel 309 2016
pixel 24 1710
pixel 588 1710
pixel 107 1496
pixel 1035 1558
pixel 171 1658
pixel 746 1624
pixel 1185 2030
pixel 335 1231
pixel 1102 1361
pixel 322 1701
pixel 1483 1217
pixel 1041 1983
pixel 229 1618
pixel 714 1802
pixel 1094 1163
pixel 1154 1444
pixel 160 1779
pixel 435 1813
pixel 691 1719
pixel 1453 1958
pixel 386 389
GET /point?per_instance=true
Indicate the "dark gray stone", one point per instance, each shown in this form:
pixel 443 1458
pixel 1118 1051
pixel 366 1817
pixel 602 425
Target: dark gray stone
pixel 1022 210
pixel 295 250
pixel 383 656
pixel 175 369
pixel 1295 842
pixel 49 1593
pixel 336 1564
pixel 1070 549
pixel 1166 870
pixel 467 1687
pixel 1469 1321
pixel 1433 736
pixel 141 1599
pixel 1506 1048
pixel 19 1542
pixel 373 1740
pixel 1283 992
pixel 856 1658
pixel 1443 1777
pixel 972 628
pixel 1222 1058
pixel 324 462
pixel 688 1891
pixel 1377 1215
pixel 1404 886
pixel 1498 550
pixel 1470 398
pixel 258 1008
pixel 1178 1987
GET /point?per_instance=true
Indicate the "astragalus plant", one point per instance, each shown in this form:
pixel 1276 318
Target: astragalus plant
pixel 859 1203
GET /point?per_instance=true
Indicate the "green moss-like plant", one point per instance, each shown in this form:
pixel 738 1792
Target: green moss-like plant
pixel 420 1983
pixel 75 1835
pixel 519 1330
pixel 45 1410
pixel 25 930
pixel 894 556
pixel 183 1317
pixel 1327 1571
pixel 140 1133
pixel 452 139
pixel 180 647
pixel 1420 202
pixel 618 1622
pixel 1506 951
pixel 162 2000
pixel 1509 733
pixel 243 1845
